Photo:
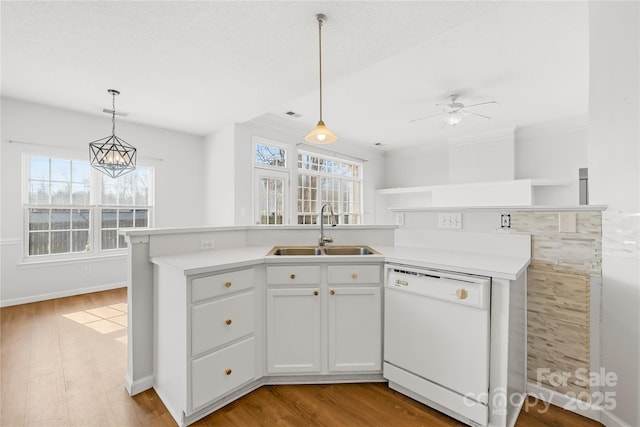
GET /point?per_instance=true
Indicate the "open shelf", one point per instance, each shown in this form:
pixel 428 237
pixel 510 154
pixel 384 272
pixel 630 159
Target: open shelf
pixel 517 192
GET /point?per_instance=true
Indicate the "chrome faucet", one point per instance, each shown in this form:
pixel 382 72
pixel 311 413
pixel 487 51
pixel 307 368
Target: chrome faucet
pixel 325 239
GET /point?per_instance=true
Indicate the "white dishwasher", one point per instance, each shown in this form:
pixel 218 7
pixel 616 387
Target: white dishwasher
pixel 436 339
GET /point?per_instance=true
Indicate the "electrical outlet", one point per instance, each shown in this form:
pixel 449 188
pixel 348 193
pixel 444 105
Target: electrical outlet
pixel 399 218
pixel 450 220
pixel 207 244
pixel 505 220
pixel 88 269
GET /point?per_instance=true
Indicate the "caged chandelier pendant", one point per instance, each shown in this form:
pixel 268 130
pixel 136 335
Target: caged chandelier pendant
pixel 111 155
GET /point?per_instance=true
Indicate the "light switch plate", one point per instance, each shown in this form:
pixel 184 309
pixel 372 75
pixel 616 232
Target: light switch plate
pixel 450 220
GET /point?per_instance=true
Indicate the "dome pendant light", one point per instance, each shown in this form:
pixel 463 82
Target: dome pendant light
pixel 320 134
pixel 111 155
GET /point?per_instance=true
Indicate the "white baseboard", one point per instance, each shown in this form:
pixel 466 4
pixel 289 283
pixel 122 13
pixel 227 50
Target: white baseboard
pixel 138 386
pixel 61 294
pixel 594 412
pixel 610 420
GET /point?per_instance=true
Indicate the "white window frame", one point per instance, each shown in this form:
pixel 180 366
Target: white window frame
pixel 339 209
pixel 94 206
pixel 260 170
pixel 101 206
pixel 291 172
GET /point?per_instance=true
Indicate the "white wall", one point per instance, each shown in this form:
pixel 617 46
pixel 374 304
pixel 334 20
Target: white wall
pixel 416 166
pixel 483 161
pixel 58 132
pixel 553 151
pixel 220 177
pixel 614 180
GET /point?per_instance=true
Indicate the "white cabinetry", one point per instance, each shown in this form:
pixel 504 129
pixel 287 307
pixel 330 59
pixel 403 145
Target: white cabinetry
pixel 205 343
pixel 324 319
pixel 293 330
pixel 354 318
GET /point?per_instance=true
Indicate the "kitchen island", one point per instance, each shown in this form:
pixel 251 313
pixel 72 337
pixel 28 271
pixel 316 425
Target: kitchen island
pixel 174 287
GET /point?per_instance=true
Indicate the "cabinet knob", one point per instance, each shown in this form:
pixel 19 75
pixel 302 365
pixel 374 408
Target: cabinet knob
pixel 332 292
pixel 315 293
pixel 354 275
pixel 227 284
pixel 461 293
pixel 227 371
pixel 228 321
pixel 293 276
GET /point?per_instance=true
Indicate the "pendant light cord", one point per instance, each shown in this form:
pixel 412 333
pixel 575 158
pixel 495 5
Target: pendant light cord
pixel 320 56
pixel 113 114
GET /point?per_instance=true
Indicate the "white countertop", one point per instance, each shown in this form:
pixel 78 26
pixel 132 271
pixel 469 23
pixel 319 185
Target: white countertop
pixel 499 266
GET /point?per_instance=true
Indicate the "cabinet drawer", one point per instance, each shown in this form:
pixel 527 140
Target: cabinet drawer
pixel 218 373
pixel 221 321
pixel 293 274
pixel 354 274
pixel 221 284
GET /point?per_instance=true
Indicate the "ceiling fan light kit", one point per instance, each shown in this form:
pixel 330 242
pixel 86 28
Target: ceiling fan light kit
pixel 320 134
pixel 111 155
pixel 454 111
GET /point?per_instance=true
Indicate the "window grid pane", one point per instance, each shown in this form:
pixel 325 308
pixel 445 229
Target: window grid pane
pixel 270 155
pixel 58 231
pixel 115 219
pixel 271 200
pixel 328 180
pixel 58 182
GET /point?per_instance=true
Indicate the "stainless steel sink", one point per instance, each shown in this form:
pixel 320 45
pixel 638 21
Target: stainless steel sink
pixel 295 250
pixel 349 250
pixel 319 250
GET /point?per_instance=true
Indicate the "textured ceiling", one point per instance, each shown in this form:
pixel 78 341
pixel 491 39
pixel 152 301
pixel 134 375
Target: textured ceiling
pixel 196 66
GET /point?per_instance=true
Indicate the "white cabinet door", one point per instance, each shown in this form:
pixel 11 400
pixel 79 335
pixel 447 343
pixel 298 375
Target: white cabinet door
pixel 293 330
pixel 355 329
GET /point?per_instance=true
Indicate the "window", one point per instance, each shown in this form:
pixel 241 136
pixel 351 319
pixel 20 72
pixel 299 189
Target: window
pixel 272 178
pixel 128 195
pixel 59 231
pixel 323 179
pixel 62 207
pixel 320 179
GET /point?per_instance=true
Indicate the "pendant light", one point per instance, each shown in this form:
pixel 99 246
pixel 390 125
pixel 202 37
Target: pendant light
pixel 111 155
pixel 320 134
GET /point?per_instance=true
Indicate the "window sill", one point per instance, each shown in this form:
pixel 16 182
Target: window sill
pixel 63 261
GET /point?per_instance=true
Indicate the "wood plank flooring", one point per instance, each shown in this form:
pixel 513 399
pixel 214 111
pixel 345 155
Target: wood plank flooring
pixel 63 363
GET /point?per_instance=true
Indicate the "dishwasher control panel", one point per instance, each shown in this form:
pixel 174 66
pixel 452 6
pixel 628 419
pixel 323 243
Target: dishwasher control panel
pixel 470 290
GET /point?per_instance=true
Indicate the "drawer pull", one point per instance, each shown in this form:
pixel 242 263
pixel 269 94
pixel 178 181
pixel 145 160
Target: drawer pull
pixel 228 321
pixel 354 275
pixel 227 371
pixel 315 293
pixel 293 276
pixel 461 293
pixel 401 282
pixel 227 284
pixel 332 292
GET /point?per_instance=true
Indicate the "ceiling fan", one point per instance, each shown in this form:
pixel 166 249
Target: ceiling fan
pixel 454 111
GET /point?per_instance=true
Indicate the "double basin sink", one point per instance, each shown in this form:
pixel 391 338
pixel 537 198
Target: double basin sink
pixel 321 250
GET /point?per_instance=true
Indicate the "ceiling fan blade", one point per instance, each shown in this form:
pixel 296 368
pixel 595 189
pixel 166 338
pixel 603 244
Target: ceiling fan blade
pixel 425 117
pixel 481 103
pixel 476 114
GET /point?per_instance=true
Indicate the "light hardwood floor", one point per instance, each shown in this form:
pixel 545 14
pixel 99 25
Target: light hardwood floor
pixel 63 363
